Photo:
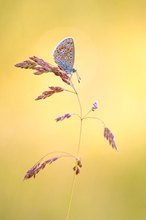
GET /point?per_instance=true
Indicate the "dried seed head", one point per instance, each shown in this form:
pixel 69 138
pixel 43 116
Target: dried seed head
pixel 61 118
pixel 56 88
pixel 40 67
pixel 95 106
pixel 27 64
pixel 77 167
pixel 53 89
pixel 32 172
pixel 77 171
pixel 110 137
pixel 38 167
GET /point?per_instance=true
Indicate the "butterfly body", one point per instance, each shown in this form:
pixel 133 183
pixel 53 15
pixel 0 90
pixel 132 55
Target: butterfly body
pixel 64 55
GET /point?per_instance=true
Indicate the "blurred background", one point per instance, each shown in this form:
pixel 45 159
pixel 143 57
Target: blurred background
pixel 110 43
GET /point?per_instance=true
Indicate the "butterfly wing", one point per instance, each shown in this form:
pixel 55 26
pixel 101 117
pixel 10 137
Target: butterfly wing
pixel 64 55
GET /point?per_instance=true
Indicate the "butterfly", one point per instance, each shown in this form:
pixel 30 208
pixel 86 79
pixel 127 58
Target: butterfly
pixel 64 55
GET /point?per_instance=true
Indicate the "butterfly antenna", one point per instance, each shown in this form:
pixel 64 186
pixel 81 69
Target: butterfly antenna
pixel 78 77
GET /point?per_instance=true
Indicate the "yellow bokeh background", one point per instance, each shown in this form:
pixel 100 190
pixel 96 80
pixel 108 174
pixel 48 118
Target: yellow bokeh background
pixel 110 44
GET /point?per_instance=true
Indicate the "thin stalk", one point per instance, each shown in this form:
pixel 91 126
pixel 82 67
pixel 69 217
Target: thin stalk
pixel 77 115
pixel 81 119
pixel 56 152
pixel 80 106
pixel 80 135
pixel 69 91
pixel 87 113
pixel 77 152
pixel 97 119
pixel 71 196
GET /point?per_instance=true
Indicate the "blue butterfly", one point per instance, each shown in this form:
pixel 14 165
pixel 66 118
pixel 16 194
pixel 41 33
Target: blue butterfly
pixel 64 55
